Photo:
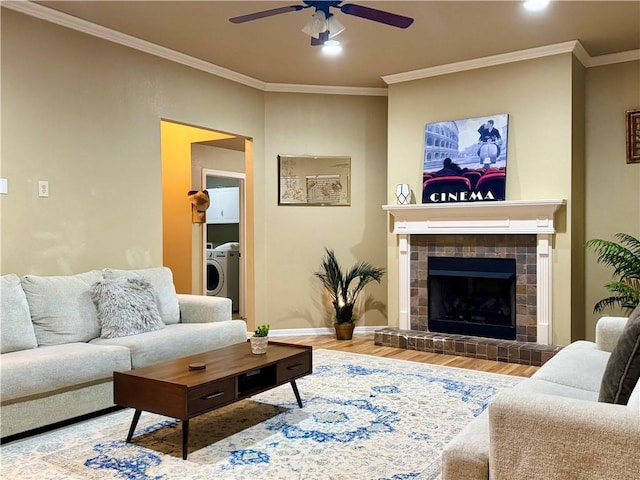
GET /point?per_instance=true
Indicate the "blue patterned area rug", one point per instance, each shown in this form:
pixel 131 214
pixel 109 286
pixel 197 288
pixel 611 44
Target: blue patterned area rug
pixel 364 418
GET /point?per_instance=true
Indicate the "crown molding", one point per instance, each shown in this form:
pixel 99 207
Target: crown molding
pixel 38 11
pixel 74 23
pixel 326 89
pixel 483 62
pixel 90 28
pixel 621 57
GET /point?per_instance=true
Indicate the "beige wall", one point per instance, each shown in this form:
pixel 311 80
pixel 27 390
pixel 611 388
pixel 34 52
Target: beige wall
pixel 293 246
pixel 86 115
pixel 537 95
pixel 613 186
pixel 578 210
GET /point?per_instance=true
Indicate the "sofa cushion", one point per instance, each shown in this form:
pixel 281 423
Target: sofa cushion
pixel 623 369
pixel 61 307
pixel 533 385
pixel 179 340
pixel 161 279
pixel 126 306
pixel 578 365
pixel 47 369
pixel 16 329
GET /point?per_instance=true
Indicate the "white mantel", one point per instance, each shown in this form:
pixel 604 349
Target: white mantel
pixel 512 217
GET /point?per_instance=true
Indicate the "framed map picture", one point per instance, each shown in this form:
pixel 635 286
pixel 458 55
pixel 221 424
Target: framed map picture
pixel 311 180
pixel 465 160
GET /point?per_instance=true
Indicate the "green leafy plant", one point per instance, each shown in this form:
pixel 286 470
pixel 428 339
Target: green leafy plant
pixel 624 257
pixel 261 331
pixel 338 283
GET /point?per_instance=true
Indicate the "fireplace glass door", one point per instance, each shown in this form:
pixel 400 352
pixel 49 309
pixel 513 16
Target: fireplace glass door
pixel 472 296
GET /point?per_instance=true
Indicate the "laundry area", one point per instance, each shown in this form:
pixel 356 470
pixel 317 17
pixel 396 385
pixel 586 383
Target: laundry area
pixel 222 240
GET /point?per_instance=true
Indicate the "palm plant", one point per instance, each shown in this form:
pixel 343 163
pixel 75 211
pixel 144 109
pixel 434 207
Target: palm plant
pixel 338 283
pixel 624 257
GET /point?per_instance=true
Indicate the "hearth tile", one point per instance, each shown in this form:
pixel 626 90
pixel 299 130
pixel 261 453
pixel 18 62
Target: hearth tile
pixel 536 357
pixel 492 352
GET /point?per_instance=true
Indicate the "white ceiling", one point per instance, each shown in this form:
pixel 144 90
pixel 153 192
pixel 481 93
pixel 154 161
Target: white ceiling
pixel 274 50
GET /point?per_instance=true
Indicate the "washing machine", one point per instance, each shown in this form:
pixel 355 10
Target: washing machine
pixel 223 263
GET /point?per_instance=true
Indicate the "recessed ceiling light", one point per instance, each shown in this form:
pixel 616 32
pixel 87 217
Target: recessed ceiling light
pixel 332 47
pixel 536 5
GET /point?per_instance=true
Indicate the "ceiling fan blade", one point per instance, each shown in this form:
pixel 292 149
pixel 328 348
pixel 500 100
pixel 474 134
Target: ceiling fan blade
pixel 376 15
pixel 267 13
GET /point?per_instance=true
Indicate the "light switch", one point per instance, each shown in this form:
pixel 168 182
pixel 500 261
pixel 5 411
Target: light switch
pixel 4 186
pixel 43 188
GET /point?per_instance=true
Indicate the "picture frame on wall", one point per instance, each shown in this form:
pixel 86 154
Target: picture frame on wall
pixel 465 160
pixel 633 136
pixel 314 180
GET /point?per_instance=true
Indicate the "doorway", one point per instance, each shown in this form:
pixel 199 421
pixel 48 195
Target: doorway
pixel 224 238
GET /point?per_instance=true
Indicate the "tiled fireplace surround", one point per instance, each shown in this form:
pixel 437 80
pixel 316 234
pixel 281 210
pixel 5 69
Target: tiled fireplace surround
pixel 512 229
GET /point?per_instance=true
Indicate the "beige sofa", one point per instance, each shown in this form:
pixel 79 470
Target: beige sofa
pixel 552 426
pixel 55 366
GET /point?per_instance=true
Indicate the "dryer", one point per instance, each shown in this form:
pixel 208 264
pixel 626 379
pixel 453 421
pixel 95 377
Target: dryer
pixel 223 272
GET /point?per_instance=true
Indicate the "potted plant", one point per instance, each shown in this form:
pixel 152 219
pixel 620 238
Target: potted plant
pixel 340 286
pixel 260 339
pixel 624 257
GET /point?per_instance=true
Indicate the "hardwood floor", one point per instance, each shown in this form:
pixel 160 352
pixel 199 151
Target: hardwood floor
pixel 363 343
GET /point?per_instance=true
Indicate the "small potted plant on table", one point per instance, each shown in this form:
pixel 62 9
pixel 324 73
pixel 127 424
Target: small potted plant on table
pixel 343 294
pixel 260 339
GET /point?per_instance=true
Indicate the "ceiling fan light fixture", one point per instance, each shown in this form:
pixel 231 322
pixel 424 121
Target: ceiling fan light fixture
pixel 334 26
pixel 332 47
pixel 316 24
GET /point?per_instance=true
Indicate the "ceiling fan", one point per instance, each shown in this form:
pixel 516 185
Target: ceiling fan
pixel 323 24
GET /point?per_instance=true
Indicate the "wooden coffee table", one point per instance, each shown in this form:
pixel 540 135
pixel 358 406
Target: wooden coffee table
pixel 230 374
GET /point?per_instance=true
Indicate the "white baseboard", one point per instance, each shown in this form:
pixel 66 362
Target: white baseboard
pixel 298 332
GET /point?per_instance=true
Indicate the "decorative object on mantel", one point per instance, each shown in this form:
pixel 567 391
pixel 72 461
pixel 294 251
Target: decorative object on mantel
pixel 403 193
pixel 343 296
pixel 260 340
pixel 465 160
pixel 200 201
pixel 624 257
pixel 633 136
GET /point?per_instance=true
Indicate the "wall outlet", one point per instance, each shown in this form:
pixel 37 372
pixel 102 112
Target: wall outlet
pixel 43 188
pixel 4 186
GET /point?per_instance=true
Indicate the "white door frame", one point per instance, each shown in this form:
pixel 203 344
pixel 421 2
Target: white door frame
pixel 241 177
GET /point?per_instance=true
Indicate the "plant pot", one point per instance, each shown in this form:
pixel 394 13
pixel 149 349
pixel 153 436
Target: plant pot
pixel 259 345
pixel 344 331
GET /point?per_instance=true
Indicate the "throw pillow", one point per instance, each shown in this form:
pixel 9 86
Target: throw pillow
pixel 126 306
pixel 16 329
pixel 61 307
pixel 161 278
pixel 623 368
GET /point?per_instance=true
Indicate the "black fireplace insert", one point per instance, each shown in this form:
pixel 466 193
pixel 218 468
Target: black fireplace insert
pixel 472 296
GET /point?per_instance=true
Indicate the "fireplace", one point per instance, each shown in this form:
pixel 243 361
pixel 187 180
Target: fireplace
pixel 521 229
pixel 472 296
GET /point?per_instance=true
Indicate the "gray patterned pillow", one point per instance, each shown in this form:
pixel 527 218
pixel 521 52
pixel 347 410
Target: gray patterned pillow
pixel 126 306
pixel 622 372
